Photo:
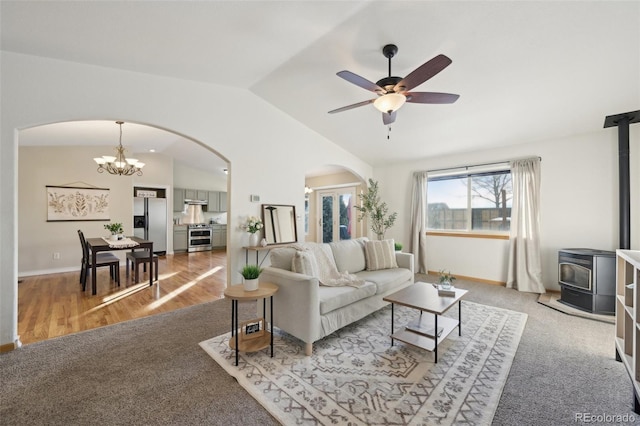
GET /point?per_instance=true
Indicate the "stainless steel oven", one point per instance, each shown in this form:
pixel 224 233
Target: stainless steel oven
pixel 199 237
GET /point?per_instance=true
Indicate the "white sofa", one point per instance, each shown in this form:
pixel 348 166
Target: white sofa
pixel 310 311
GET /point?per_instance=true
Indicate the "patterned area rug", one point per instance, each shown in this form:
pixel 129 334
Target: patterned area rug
pixel 356 377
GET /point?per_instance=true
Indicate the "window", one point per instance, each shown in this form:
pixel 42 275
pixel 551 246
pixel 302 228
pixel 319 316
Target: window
pixel 468 201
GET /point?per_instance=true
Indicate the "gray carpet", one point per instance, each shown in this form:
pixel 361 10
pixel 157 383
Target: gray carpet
pixel 152 371
pixel 149 371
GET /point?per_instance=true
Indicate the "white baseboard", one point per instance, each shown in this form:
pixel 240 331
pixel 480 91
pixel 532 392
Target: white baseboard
pixel 23 274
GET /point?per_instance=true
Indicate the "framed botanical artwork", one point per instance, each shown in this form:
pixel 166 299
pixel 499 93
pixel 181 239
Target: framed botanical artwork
pixel 69 203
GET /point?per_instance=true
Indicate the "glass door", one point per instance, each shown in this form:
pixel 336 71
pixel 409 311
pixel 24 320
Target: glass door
pixel 337 214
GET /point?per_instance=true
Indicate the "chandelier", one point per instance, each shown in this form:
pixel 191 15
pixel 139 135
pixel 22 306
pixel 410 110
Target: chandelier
pixel 119 165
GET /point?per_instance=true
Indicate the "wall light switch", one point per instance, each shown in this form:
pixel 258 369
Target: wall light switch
pixel 254 198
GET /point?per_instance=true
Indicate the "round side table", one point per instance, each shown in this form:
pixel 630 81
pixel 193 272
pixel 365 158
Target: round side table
pixel 240 339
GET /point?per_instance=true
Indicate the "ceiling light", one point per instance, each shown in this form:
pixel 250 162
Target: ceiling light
pixel 389 102
pixel 308 190
pixel 119 165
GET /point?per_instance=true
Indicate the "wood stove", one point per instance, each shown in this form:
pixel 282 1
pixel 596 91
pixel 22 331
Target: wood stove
pixel 587 279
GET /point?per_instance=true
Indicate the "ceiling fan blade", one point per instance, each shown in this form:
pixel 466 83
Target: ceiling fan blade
pixel 359 81
pixel 431 98
pixel 423 73
pixel 388 118
pixel 359 104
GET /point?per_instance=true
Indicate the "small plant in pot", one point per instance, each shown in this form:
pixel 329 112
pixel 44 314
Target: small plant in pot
pixel 250 273
pixel 398 246
pixel 445 278
pixel 115 229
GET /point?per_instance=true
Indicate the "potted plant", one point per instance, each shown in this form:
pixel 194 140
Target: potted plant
pixel 250 273
pixel 398 246
pixel 376 211
pixel 445 278
pixel 115 229
pixel 253 226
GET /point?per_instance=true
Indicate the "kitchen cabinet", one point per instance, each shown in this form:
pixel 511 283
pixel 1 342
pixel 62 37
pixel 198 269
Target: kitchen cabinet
pixel 178 199
pixel 195 194
pixel 217 201
pixel 180 238
pixel 218 236
pixel 190 194
pixel 214 201
pixel 223 201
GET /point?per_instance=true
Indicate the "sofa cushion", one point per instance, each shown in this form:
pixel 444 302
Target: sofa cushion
pixel 386 279
pixel 332 298
pixel 282 257
pixel 380 255
pixel 349 255
pixel 304 262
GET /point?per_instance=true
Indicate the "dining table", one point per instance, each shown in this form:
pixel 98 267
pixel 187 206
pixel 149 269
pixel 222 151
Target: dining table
pixel 98 244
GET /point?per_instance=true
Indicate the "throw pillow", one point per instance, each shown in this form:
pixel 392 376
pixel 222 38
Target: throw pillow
pixel 349 255
pixel 304 262
pixel 380 255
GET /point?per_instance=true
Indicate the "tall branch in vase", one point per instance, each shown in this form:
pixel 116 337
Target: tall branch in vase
pixel 371 207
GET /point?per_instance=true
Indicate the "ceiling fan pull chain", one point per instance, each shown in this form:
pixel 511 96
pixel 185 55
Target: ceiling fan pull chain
pixel 388 132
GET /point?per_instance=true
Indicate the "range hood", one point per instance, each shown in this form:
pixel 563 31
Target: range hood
pixel 192 214
pixel 196 202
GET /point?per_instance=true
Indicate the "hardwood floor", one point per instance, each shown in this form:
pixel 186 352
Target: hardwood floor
pixel 55 305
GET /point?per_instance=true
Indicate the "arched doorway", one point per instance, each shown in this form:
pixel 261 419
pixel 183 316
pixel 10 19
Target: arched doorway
pixel 61 154
pixel 330 196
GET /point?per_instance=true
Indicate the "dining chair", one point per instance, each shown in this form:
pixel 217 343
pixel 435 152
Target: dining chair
pixel 102 259
pixel 138 257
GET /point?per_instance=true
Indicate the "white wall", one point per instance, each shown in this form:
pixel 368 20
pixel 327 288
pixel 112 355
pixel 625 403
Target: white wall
pixel 244 130
pixel 39 166
pixel 579 197
pixel 188 177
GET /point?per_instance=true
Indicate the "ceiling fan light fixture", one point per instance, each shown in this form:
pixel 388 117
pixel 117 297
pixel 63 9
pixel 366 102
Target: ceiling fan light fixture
pixel 390 102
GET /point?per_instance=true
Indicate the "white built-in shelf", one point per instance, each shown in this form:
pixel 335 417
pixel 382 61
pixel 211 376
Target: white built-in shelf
pixel 627 324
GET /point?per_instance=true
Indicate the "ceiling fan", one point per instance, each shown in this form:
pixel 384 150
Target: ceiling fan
pixel 393 92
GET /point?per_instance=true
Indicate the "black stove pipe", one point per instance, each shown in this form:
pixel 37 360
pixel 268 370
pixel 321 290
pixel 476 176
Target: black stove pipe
pixel 624 180
pixel 622 121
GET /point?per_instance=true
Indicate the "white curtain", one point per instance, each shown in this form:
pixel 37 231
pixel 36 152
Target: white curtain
pixel 525 266
pixel 419 221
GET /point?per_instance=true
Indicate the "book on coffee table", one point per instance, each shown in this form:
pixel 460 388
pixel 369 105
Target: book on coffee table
pixel 449 291
pixel 429 332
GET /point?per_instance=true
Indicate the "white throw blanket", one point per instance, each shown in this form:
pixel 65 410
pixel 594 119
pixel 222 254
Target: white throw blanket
pixel 328 274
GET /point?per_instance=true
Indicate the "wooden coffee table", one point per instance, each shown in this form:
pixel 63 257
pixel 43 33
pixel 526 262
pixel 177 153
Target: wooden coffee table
pixel 426 331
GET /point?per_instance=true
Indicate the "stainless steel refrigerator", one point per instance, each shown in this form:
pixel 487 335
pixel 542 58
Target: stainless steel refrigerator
pixel 150 221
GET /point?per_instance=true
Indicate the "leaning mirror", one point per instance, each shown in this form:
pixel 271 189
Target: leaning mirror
pixel 279 223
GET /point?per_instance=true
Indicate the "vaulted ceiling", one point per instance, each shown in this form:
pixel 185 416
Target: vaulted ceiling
pixel 525 71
